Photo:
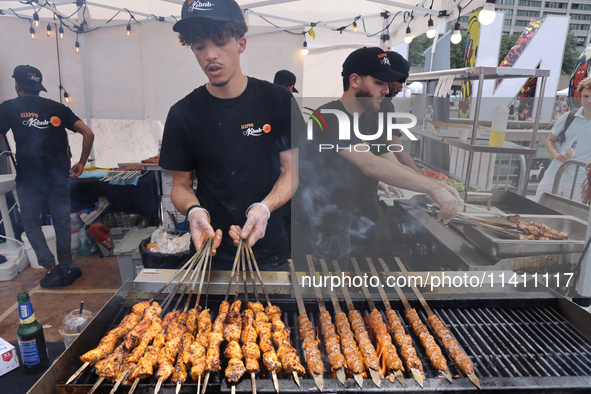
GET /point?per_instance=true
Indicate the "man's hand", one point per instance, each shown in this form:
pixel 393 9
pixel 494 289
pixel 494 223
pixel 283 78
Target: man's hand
pixel 201 229
pixel 453 191
pixel 391 191
pixel 448 204
pixel 561 157
pixel 76 170
pixel 257 216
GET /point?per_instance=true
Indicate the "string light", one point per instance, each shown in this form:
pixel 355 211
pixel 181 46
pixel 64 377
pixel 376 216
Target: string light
pixel 386 39
pixel 305 48
pixel 487 15
pixel 66 96
pixel 77 46
pixel 61 31
pixel 32 31
pixel 408 37
pixel 354 27
pixel 456 37
pixel 48 30
pixel 36 18
pixel 128 28
pixel 431 33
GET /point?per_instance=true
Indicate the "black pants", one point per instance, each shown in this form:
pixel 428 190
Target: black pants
pixel 31 205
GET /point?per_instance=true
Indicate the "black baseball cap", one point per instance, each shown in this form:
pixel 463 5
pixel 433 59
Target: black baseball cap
pixel 286 76
pixel 399 64
pixel 29 78
pixel 220 10
pixel 370 61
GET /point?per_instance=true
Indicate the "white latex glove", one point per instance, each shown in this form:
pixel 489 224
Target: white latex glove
pixel 391 191
pixel 453 191
pixel 200 227
pixel 448 204
pixel 257 216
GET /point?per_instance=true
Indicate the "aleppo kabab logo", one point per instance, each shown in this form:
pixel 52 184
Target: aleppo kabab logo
pixel 384 59
pixel 317 117
pixel 55 121
pixel 199 6
pixel 267 128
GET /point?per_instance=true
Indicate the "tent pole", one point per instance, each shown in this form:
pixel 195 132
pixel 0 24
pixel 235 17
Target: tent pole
pixel 85 87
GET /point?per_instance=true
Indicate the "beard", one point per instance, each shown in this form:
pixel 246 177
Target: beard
pixel 367 101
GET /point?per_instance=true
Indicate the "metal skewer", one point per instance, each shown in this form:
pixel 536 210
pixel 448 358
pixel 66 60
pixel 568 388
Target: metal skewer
pixel 372 306
pixel 336 306
pixel 427 309
pixel 407 306
pixel 375 375
pixel 318 379
pixel 415 372
pixel 341 371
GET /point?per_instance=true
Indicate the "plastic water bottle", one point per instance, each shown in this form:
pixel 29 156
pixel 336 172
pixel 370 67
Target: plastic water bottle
pixel 499 126
pixel 428 117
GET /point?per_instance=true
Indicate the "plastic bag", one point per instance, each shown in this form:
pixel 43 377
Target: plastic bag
pixel 167 242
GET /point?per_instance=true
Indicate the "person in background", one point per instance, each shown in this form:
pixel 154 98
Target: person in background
pixel 43 168
pixel 522 112
pixel 286 79
pixel 234 135
pixel 575 142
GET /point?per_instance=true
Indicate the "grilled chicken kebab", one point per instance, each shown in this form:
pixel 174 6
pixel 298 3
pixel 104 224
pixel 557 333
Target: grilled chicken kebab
pixel 310 344
pixel 250 349
pixel 287 353
pixel 263 329
pixel 233 352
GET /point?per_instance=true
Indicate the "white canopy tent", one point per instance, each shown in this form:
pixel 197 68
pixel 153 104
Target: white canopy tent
pixel 563 92
pixel 132 81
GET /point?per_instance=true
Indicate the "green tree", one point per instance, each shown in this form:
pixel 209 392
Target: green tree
pixel 416 50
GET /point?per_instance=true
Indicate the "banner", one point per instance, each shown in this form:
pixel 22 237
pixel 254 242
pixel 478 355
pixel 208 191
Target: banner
pixel 470 53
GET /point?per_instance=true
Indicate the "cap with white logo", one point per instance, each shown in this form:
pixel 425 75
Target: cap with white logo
pixel 29 78
pixel 220 10
pixel 370 61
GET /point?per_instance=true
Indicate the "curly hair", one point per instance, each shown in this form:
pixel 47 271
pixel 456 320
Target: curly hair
pixel 217 31
pixel 584 84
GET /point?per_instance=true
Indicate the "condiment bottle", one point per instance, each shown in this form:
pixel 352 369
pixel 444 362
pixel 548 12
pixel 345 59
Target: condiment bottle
pixel 31 341
pixel 499 126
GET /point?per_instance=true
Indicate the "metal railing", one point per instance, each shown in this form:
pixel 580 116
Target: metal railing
pixel 560 171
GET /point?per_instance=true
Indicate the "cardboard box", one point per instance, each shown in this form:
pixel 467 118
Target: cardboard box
pixel 166 177
pixel 443 129
pixel 8 357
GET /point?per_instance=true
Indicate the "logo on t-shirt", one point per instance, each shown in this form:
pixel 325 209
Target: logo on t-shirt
pixel 34 122
pixel 55 121
pixel 249 130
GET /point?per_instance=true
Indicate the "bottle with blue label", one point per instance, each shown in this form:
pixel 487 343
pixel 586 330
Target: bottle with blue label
pixel 31 340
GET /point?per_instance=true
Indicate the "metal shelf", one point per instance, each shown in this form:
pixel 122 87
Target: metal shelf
pixel 479 145
pixel 473 73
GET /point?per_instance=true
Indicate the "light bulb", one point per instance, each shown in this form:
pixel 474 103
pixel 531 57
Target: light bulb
pixel 36 19
pixel 61 30
pixel 456 37
pixel 354 27
pixel 305 49
pixel 32 31
pixel 128 28
pixel 66 96
pixel 48 30
pixel 431 32
pixel 77 46
pixel 487 14
pixel 408 37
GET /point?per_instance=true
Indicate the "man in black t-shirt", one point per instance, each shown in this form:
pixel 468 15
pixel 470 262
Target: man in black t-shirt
pixel 233 135
pixel 331 165
pixel 43 168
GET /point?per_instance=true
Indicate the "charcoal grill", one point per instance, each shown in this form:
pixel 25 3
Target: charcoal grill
pixel 522 341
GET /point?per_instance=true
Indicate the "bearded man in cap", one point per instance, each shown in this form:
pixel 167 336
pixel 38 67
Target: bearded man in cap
pixel 325 217
pixel 43 168
pixel 234 135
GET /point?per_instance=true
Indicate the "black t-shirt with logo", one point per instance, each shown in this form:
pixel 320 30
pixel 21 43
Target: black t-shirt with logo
pixel 328 181
pixel 42 150
pixel 233 145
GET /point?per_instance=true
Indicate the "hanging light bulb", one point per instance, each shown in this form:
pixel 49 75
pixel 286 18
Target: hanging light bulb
pixel 431 32
pixel 354 27
pixel 77 46
pixel 32 31
pixel 408 37
pixel 66 96
pixel 48 30
pixel 456 37
pixel 305 48
pixel 487 14
pixel 61 31
pixel 128 28
pixel 36 19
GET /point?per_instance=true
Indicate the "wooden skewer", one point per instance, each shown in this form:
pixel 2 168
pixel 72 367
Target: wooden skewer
pixel 415 372
pixel 121 378
pixel 133 386
pixel 336 306
pixel 398 373
pixel 318 379
pixel 427 309
pixel 375 375
pixel 159 384
pixel 407 306
pixel 98 383
pixel 254 286
pixel 78 372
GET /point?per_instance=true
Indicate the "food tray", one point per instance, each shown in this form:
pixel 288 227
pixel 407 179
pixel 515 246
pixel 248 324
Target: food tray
pixel 490 243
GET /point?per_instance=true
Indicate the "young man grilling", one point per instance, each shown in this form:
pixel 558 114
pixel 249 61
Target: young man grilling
pixel 233 135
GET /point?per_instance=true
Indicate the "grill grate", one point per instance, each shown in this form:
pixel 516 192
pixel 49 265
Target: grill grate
pixel 518 348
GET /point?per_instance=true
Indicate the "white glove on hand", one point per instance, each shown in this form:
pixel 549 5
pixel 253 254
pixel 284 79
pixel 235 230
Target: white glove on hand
pixel 448 204
pixel 200 227
pixel 391 191
pixel 453 191
pixel 257 216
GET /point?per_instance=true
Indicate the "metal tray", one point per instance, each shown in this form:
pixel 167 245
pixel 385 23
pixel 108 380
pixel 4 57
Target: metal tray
pixel 490 243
